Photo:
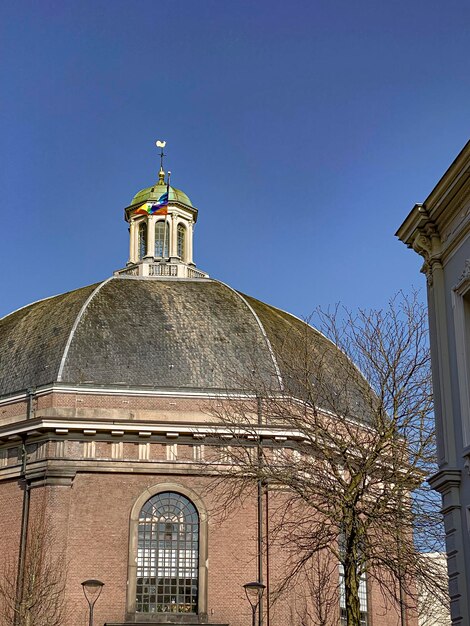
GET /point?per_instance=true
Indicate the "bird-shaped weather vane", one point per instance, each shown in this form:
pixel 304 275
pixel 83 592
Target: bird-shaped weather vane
pixel 161 144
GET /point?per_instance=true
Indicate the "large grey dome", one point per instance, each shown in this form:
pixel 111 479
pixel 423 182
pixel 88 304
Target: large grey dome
pixel 153 334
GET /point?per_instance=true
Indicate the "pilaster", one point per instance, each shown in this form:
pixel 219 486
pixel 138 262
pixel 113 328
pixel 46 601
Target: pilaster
pixel 173 238
pixel 448 482
pixel 190 242
pixel 132 242
pixel 151 237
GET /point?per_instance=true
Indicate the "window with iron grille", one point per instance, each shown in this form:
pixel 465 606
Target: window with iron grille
pixel 181 241
pixel 162 239
pixel 167 555
pixel 342 593
pixel 142 240
pixel 362 597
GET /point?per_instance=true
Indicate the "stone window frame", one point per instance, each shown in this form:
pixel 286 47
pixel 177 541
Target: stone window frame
pixel 164 238
pixel 133 545
pixel 461 297
pixel 142 238
pixel 181 236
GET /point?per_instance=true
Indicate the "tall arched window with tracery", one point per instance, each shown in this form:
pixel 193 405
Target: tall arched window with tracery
pixel 162 239
pixel 181 242
pixel 142 245
pixel 167 555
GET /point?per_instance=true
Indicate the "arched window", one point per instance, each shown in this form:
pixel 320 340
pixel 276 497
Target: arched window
pixel 162 239
pixel 167 555
pixel 181 242
pixel 142 240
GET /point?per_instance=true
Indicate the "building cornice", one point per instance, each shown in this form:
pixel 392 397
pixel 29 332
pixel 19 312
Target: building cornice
pixel 435 228
pixel 145 430
pixel 446 479
pixel 64 388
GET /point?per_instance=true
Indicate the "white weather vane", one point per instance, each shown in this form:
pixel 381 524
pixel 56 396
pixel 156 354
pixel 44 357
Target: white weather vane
pixel 161 144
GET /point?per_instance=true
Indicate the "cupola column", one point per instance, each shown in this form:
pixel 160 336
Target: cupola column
pixel 132 242
pixel 151 236
pixel 190 242
pixel 173 234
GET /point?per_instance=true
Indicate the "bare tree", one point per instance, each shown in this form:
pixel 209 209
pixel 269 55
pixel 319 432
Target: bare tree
pixel 357 408
pixel 316 597
pixel 44 580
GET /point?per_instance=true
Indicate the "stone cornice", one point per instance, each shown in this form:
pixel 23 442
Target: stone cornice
pixel 420 233
pixel 145 430
pixel 429 224
pixel 447 192
pixel 436 228
pixel 64 388
pixel 445 479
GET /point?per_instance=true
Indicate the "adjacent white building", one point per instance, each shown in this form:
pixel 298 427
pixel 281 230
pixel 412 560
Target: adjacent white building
pixel 431 612
pixel 439 230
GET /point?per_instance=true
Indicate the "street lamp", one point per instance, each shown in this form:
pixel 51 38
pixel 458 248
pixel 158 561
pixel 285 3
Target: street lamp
pixel 254 593
pixel 92 590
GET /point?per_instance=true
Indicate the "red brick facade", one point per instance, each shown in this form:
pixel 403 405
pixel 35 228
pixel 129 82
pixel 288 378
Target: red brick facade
pixel 90 480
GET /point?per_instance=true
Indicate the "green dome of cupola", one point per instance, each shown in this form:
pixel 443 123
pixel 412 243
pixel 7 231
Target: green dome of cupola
pixel 157 190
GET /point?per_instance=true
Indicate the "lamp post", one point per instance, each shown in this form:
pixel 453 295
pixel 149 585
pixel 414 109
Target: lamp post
pixel 92 590
pixel 254 593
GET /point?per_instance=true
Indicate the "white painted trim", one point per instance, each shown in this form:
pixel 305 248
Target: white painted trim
pixel 211 395
pixel 77 321
pixel 13 399
pixel 30 304
pixel 95 427
pixel 461 350
pixel 124 391
pixel 314 328
pixel 263 332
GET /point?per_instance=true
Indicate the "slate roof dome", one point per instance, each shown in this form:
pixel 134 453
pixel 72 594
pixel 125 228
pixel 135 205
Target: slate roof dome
pixel 150 333
pixel 147 333
pixel 161 324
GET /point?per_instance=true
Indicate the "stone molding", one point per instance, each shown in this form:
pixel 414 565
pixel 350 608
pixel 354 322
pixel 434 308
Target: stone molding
pixel 445 479
pixel 175 486
pixel 463 284
pixel 170 430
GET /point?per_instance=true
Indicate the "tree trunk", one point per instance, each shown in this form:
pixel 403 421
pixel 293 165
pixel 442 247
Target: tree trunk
pixel 351 592
pixel 352 576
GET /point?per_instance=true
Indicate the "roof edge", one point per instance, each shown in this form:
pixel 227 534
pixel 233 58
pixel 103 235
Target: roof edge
pixel 262 329
pixel 75 325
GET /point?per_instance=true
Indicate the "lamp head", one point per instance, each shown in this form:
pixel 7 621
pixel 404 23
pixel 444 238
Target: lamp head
pixel 92 589
pixel 254 592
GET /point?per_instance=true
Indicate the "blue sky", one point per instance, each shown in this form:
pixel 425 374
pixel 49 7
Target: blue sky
pixel 303 131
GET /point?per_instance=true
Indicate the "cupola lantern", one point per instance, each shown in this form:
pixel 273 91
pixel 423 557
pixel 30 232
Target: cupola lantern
pixel 161 220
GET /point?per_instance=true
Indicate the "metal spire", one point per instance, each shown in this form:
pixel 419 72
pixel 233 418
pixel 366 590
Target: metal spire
pixel 161 174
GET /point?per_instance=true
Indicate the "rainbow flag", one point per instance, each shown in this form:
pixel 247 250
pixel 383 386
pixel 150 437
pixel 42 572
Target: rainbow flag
pixel 163 199
pixel 142 210
pixel 154 208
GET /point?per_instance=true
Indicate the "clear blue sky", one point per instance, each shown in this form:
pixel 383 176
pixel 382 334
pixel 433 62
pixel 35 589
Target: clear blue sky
pixel 304 132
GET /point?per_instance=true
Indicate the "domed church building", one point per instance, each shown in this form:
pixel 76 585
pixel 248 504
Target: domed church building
pixel 105 422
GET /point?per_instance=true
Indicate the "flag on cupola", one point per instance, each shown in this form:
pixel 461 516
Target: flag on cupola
pixel 160 207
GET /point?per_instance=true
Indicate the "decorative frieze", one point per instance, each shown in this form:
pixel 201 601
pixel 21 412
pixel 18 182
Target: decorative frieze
pixel 198 452
pixel 60 448
pixel 89 449
pixel 171 451
pixel 144 451
pixel 117 448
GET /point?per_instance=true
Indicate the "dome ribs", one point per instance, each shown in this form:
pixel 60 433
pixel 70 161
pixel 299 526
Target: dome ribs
pixel 75 324
pixel 165 334
pixel 32 341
